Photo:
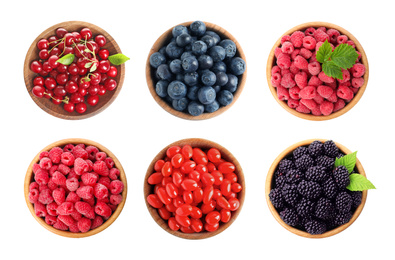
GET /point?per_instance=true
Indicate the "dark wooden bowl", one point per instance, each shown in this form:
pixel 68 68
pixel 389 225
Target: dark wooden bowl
pixel 57 110
pixel 203 144
pixel 150 76
pixel 30 177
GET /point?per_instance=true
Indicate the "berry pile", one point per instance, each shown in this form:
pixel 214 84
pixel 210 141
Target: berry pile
pixel 194 190
pixel 84 73
pixel 197 71
pixel 310 193
pixel 299 79
pixel 75 188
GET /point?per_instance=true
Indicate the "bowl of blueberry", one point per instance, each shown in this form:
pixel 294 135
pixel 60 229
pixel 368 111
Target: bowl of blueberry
pixel 316 188
pixel 196 70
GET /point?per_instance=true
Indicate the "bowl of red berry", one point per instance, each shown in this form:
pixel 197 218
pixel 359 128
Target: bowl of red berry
pixel 316 188
pixel 317 71
pixel 194 188
pixel 75 187
pixel 74 70
pixel 196 70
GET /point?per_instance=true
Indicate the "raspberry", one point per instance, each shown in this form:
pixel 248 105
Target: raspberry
pixel 276 79
pixel 50 220
pixel 103 209
pixel 318 99
pixel 55 154
pixel 301 63
pixel 101 168
pixel 109 162
pixel 305 53
pixel 39 209
pixel 309 31
pixel 295 53
pixel 84 224
pixel 68 148
pixel 287 47
pixel 333 34
pixel 294 93
pixel 324 91
pixel 45 163
pixel 277 52
pixel 91 214
pixel 275 69
pixel 114 173
pixel 339 105
pixel 351 43
pixel 285 38
pixel 116 199
pixel 326 108
pixel 36 167
pixel 80 152
pixel 67 220
pixel 63 169
pixel 90 201
pixel 51 208
pixel 301 79
pixel 101 156
pixel 85 192
pixel 76 215
pixel 316 111
pixel 357 82
pixel 80 166
pixel 342 39
pixel 314 68
pixel 51 185
pixel 58 178
pixel 67 158
pixel 116 186
pixel 287 81
pixel 309 43
pixel 285 71
pixel 313 57
pixel 59 195
pixel 303 109
pixel 308 92
pixel 92 150
pixel 60 225
pixel 33 195
pixel 293 69
pixel 65 208
pixel 293 103
pixel 45 196
pixel 314 81
pixel 97 222
pixel 43 154
pixel 89 178
pixel 323 77
pixel 297 38
pixel 322 28
pixel 344 92
pixel 100 191
pixel 284 61
pixel 83 207
pixel 333 97
pixel 346 76
pixel 321 36
pixel 41 177
pixel 72 184
pixel 282 93
pixel 105 181
pixel 358 70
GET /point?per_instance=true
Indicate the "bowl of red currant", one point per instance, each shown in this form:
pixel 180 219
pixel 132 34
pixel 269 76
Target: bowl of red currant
pixel 74 70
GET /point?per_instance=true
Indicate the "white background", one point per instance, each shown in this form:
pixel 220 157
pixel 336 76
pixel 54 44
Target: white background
pixel 255 129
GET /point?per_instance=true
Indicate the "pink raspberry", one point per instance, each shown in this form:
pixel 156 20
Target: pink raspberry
pixel 339 105
pixel 67 158
pixel 41 177
pixel 76 215
pixel 333 34
pixel 53 169
pixel 67 219
pixel 314 68
pixel 89 178
pixel 81 145
pixel 106 180
pixel 357 82
pixel 285 38
pixel 50 220
pixel 58 178
pixel 45 196
pixel 333 85
pixel 333 97
pixel 74 228
pixel 282 93
pixel 287 47
pixel 295 53
pixel 72 184
pixel 319 44
pixel 65 208
pixel 293 69
pixel 326 108
pixel 301 63
pixel 324 91
pixel 116 186
pixel 84 225
pixel 103 209
pixel 321 36
pixel 302 109
pixel 351 43
pixel 277 52
pixel 80 166
pixel 40 210
pixel 311 104
pixel 60 226
pixel 97 222
pixel 43 154
pixel 342 39
pixel 283 61
pixel 316 112
pixel 313 57
pixel 324 78
pixel 73 197
pixel 309 31
pixel 358 70
pixel 63 169
pixel 285 71
pixel 115 199
pixel 33 185
pixel 287 81
pixel 90 201
pixel 346 76
pixel 309 43
pixel 68 148
pixel 83 207
pixel 90 164
pixel 276 79
pixel 354 90
pixel 51 185
pixel 59 195
pixel 344 92
pixel 45 163
pixel 52 208
pixel 114 173
pixel 72 174
pixel 301 79
pixel 305 53
pixel 33 195
pixel 101 168
pixel 294 93
pixel 85 192
pixel 91 214
pixel 55 154
pixel 297 39
pixel 80 152
pixel 275 69
pixel 318 99
pixel 109 162
pixel 92 151
pixel 308 92
pixel 36 167
pixel 292 103
pixel 100 191
pixel 101 156
pixel 322 28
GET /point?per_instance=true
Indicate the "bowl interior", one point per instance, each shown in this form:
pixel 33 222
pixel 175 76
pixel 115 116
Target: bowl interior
pixel 270 183
pixel 203 144
pixel 29 178
pixel 272 61
pixel 57 110
pixel 150 73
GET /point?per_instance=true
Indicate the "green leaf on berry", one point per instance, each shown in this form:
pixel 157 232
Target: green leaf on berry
pixel 66 59
pixel 118 59
pixel 344 56
pixel 359 182
pixel 348 161
pixel 88 65
pixel 93 68
pixel 324 52
pixel 332 70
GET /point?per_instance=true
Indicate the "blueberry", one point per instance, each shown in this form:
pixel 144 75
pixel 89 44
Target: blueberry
pixel 183 40
pixel 199 47
pixel 173 50
pixel 180 77
pixel 212 107
pixel 206 95
pixel 162 51
pixel 197 28
pixel 191 78
pixel 161 88
pixel 222 78
pixel 195 108
pixel 189 46
pixel 217 88
pixel 176 89
pixel 192 93
pixel 163 72
pixel 190 64
pixel 217 53
pixel 219 66
pixel 180 104
pixel 232 84
pixel 237 66
pixel 157 59
pixel 186 54
pixel 175 66
pixel 229 46
pixel 209 40
pixel 205 61
pixel 216 37
pixel 208 78
pixel 178 30
pixel 225 97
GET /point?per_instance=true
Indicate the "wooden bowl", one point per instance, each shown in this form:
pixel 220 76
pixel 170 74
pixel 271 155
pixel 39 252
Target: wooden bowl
pixel 57 110
pixel 272 61
pixel 163 40
pixel 270 182
pixel 29 178
pixel 203 144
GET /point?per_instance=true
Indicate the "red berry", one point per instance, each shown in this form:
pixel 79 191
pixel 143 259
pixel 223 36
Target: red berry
pixel 36 66
pixel 103 54
pixel 69 107
pixel 38 91
pixel 43 44
pixel 100 40
pixel 112 72
pixel 60 32
pixel 80 108
pixel 38 81
pixel 53 61
pixel 92 100
pixel 86 33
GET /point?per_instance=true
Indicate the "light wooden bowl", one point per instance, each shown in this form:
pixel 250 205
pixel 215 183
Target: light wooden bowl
pixel 270 182
pixel 203 144
pixel 57 110
pixel 272 61
pixel 150 73
pixel 29 178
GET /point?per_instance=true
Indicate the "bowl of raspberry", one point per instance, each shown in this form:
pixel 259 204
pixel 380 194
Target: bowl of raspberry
pixel 196 70
pixel 75 187
pixel 194 188
pixel 317 71
pixel 74 70
pixel 309 190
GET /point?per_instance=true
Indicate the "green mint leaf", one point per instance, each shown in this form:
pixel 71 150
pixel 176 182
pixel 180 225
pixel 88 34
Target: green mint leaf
pixel 87 65
pixel 324 52
pixel 359 182
pixel 332 70
pixel 66 59
pixel 118 59
pixel 347 161
pixel 344 56
pixel 93 68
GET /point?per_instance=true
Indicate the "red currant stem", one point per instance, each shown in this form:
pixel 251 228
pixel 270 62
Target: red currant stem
pixel 65 100
pixel 61 40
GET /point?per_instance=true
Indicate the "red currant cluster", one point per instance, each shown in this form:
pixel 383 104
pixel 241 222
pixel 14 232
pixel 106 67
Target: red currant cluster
pixel 73 66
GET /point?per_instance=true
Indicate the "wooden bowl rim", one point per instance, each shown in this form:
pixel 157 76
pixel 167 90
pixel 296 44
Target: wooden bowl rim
pixel 108 222
pixel 164 38
pixel 351 104
pixel 203 144
pixel 276 215
pixel 51 31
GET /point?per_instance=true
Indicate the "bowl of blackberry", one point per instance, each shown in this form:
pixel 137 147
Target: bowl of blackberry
pixel 74 70
pixel 316 188
pixel 196 70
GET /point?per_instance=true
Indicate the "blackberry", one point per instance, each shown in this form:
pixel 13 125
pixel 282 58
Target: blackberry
pixel 324 209
pixel 330 149
pixel 294 176
pixel 304 162
pixel 329 188
pixel 305 207
pixel 280 181
pixel 325 161
pixel 316 173
pixel 290 194
pixel 340 155
pixel 342 218
pixel 315 227
pixel 276 198
pixel 289 216
pixel 340 175
pixel 316 148
pixel 343 202
pixel 301 150
pixel 356 197
pixel 285 165
pixel 309 189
